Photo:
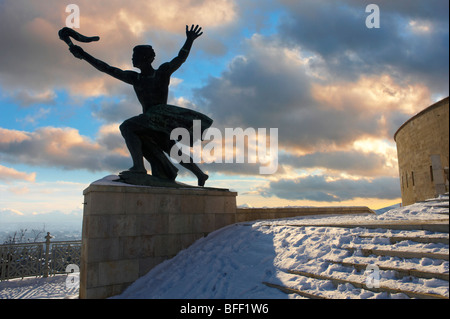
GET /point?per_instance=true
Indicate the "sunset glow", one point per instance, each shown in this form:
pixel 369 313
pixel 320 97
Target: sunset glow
pixel 335 90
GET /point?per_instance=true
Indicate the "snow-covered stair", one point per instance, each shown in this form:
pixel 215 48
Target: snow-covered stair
pixel 429 281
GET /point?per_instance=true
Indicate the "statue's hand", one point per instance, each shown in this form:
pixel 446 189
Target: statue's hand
pixel 77 51
pixel 194 32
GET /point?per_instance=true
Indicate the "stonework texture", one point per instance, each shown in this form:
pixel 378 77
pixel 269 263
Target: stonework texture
pixel 423 153
pixel 129 230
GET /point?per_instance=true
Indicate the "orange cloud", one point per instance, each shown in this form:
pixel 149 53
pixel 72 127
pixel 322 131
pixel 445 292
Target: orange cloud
pixel 63 147
pixel 12 136
pixel 11 211
pixel 374 94
pixel 10 174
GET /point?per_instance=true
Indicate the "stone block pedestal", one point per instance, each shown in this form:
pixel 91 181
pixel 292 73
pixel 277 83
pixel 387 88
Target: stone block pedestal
pixel 128 230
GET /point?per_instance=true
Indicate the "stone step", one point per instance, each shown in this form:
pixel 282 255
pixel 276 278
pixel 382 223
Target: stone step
pixel 402 272
pixel 439 225
pixel 442 206
pixel 288 290
pixel 422 239
pixel 363 285
pixel 443 199
pixel 398 253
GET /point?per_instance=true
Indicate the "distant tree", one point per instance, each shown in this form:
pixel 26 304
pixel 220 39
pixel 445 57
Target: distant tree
pixel 20 236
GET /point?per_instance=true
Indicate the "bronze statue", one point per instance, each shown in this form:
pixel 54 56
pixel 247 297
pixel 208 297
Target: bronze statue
pixel 148 134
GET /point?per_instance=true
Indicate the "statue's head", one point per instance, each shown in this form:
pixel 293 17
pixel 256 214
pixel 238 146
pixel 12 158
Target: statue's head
pixel 143 55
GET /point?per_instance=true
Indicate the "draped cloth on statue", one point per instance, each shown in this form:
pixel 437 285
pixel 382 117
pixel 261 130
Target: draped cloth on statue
pixel 164 118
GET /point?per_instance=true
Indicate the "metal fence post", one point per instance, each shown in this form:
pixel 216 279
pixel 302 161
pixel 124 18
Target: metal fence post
pixel 47 253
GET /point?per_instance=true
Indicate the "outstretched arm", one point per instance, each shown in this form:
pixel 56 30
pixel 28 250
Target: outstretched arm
pixel 125 76
pixel 191 35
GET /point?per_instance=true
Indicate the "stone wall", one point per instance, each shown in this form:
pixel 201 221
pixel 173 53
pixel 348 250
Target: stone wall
pixel 423 153
pixel 249 214
pixel 129 230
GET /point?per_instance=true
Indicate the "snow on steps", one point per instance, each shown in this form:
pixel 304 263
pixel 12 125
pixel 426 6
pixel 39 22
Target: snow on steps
pixel 359 284
pixel 398 253
pixel 359 281
pixel 439 225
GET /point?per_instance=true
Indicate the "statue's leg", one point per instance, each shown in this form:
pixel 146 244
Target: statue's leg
pixel 162 167
pixel 129 130
pixel 201 177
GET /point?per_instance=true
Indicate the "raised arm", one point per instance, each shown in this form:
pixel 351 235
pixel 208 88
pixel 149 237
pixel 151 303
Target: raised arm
pixel 125 76
pixel 191 35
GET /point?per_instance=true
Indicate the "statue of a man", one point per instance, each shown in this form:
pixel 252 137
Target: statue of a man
pixel 148 134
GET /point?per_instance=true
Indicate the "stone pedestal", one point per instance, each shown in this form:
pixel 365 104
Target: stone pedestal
pixel 128 230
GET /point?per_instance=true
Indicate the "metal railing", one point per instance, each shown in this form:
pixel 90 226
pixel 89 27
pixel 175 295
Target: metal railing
pixel 38 259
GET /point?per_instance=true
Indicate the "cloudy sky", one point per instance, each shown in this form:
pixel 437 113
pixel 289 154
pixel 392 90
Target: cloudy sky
pixel 336 91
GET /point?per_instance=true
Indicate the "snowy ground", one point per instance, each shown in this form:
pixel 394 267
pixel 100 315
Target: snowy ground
pixel 235 261
pixel 54 287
